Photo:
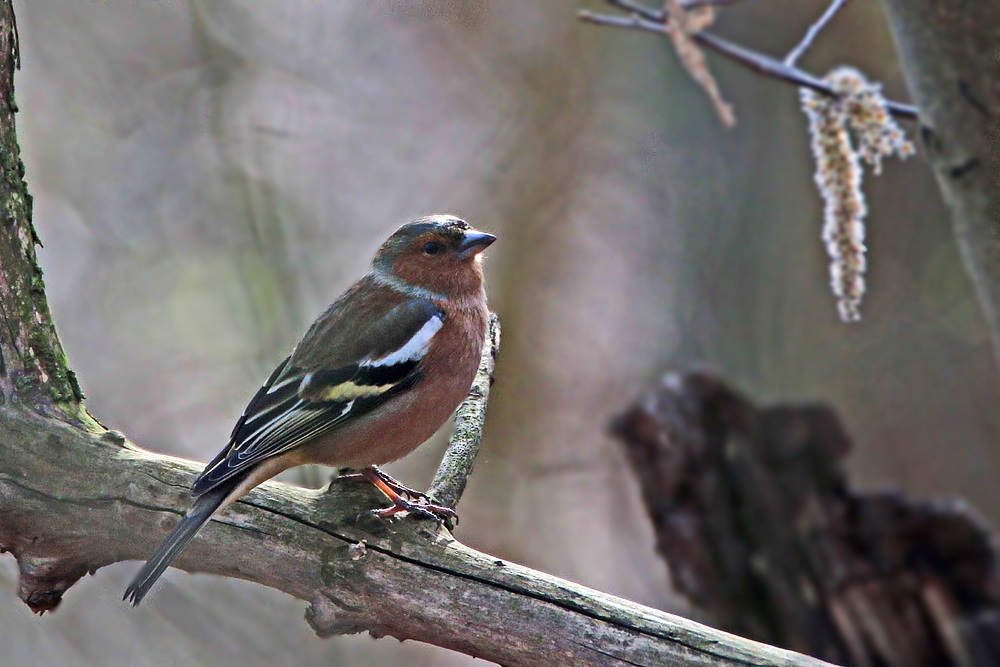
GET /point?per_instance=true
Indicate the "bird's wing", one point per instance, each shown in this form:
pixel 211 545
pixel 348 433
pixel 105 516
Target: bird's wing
pixel 338 372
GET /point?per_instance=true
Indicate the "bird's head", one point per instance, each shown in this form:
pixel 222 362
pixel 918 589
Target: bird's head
pixel 440 253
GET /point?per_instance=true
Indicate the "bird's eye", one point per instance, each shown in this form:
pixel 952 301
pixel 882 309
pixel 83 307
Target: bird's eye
pixel 432 248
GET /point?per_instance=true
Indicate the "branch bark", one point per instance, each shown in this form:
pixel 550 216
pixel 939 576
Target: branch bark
pixel 32 363
pixel 949 52
pixel 76 501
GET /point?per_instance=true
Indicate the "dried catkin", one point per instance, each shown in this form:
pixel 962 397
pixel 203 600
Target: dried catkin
pixel 857 112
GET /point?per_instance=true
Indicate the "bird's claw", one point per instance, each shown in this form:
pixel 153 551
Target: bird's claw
pixel 389 481
pixel 402 489
pixel 438 513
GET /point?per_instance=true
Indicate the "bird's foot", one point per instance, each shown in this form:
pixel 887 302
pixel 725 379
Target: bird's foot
pixel 399 487
pixel 391 489
pixel 438 513
pixel 390 481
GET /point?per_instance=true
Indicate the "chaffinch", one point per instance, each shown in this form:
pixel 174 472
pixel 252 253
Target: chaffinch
pixel 374 377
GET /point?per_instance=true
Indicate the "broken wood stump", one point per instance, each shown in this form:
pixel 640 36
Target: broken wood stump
pixel 762 530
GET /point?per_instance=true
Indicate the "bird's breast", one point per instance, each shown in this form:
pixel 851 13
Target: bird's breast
pixel 407 420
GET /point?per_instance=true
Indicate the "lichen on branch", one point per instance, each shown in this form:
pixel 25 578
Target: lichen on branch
pixel 33 366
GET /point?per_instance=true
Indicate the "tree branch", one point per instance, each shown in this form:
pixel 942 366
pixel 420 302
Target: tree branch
pixel 814 30
pixel 463 446
pixel 75 502
pixel 32 363
pixel 644 18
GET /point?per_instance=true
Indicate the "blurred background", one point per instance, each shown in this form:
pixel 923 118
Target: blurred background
pixel 209 175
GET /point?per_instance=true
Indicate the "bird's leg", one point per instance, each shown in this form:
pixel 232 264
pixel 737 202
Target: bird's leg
pixel 389 480
pixel 400 504
pixel 398 486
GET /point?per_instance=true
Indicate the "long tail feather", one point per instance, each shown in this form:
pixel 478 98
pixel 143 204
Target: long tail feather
pixel 203 509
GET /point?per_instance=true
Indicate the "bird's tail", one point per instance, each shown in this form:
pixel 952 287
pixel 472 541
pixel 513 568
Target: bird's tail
pixel 197 516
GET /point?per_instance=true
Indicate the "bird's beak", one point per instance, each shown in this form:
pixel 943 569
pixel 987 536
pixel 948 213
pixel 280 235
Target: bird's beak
pixel 474 243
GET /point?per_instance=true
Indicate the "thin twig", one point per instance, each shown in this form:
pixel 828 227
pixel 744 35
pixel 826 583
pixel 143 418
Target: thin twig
pixel 456 466
pixel 643 18
pixel 694 4
pixel 647 13
pixel 814 30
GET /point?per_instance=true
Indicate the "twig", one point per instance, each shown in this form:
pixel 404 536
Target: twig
pixel 693 4
pixel 643 18
pixel 813 31
pixel 647 13
pixel 456 466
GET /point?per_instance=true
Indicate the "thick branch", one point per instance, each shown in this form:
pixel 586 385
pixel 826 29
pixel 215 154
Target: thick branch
pixel 74 502
pixel 949 52
pixel 32 364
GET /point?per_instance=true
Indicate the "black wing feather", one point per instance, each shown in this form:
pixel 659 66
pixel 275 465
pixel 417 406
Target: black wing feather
pixel 298 404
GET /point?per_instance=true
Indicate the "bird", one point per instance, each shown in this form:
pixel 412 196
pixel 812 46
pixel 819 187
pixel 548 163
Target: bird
pixel 373 377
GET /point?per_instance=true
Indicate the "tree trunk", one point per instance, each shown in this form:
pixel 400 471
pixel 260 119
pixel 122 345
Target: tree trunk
pixel 948 50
